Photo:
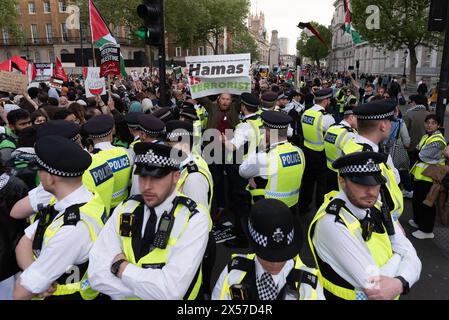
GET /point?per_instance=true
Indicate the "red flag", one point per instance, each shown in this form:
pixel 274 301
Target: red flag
pixel 59 71
pixel 98 27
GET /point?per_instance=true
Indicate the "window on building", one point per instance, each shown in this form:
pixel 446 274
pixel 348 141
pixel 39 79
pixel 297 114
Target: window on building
pixel 49 32
pixel 62 6
pixel 34 34
pixel 64 51
pixel 18 8
pixel 31 8
pixel 37 56
pixel 5 36
pixel 178 51
pixel 201 51
pixel 47 8
pixel 51 56
pixel 188 52
pixel 64 33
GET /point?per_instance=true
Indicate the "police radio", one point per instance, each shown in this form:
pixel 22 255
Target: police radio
pixel 163 232
pixel 126 224
pixel 239 292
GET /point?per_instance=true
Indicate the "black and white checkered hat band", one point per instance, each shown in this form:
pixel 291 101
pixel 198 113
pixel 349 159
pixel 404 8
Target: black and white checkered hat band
pixel 174 135
pixel 370 167
pixel 319 98
pixel 97 136
pixel 75 138
pixel 290 236
pixel 57 172
pixel 149 132
pixel 275 126
pixel 152 159
pixel 250 105
pixel 348 112
pixel 133 125
pixel 258 238
pixel 375 116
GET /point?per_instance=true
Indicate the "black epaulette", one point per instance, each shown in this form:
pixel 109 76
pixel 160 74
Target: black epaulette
pixel 192 167
pixel 334 208
pixel 302 276
pixel 324 112
pixel 72 214
pixel 96 150
pixel 136 197
pixel 366 147
pixel 241 264
pixel 188 203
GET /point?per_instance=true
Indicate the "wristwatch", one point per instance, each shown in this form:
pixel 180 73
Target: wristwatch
pixel 115 267
pixel 405 285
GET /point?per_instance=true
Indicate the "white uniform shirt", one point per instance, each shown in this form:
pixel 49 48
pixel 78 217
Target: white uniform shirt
pixel 169 283
pixel 242 133
pixel 350 258
pixel 256 165
pixel 279 279
pixel 69 246
pixel 196 186
pixel 359 139
pixel 328 119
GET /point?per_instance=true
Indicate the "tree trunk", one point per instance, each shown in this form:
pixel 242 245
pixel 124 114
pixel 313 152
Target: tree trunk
pixel 317 61
pixel 413 64
pixel 216 44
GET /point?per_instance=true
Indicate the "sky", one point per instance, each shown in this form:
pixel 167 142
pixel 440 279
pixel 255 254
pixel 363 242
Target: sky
pixel 284 16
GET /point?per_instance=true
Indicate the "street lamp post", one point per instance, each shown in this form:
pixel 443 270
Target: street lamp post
pixel 405 62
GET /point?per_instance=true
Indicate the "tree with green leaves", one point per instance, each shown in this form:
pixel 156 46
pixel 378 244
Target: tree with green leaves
pixel 8 18
pixel 244 42
pixel 402 24
pixel 311 47
pixel 206 20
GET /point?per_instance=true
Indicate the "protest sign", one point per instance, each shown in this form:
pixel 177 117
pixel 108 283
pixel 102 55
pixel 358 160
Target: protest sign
pixel 44 71
pixel 209 75
pixel 110 59
pixel 13 82
pixel 94 83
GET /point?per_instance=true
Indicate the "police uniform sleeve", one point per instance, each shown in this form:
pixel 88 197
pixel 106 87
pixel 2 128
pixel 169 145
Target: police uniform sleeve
pixel 196 187
pixel 241 135
pixel 395 170
pixel 256 165
pixel 172 281
pixel 39 195
pixel 59 254
pixel 328 122
pixel 103 252
pixel 216 293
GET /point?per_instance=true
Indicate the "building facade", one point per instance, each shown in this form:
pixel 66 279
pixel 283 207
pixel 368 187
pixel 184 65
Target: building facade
pixel 275 51
pixel 256 27
pixel 284 45
pixel 47 35
pixel 345 54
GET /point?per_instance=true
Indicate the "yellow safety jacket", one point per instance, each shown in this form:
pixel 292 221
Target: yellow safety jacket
pixel 132 144
pixel 120 164
pixel 93 215
pixel 255 138
pixel 202 114
pixel 157 258
pixel 286 165
pixel 197 137
pixel 198 165
pixel 335 139
pixel 420 166
pixel 99 178
pixel 313 129
pixel 395 199
pixel 241 270
pixel 341 101
pixel 379 246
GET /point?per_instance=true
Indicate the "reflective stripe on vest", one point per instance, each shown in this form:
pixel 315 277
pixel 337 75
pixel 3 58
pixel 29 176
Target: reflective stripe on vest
pixel 236 276
pixel 419 167
pixel 91 215
pixel 197 137
pixel 159 256
pixel 312 127
pixel 335 139
pixel 379 247
pixel 203 168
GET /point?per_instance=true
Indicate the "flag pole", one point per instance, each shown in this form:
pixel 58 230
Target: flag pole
pixel 92 36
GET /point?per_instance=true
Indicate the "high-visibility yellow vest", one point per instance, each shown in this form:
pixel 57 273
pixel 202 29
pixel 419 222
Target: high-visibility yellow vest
pixel 202 114
pixel 394 192
pixel 159 257
pixel 120 164
pixel 198 165
pixel 197 137
pixel 131 146
pixel 99 179
pixel 420 166
pixel 237 273
pixel 335 139
pixel 255 138
pixel 313 129
pixel 379 246
pixel 286 165
pixel 341 101
pixel 93 215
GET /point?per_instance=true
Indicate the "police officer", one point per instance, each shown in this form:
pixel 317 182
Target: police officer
pixel 336 137
pixel 100 130
pixel 54 250
pixel 281 102
pixel 133 126
pixel 268 101
pixel 153 245
pixel 276 173
pixel 373 126
pixel 152 130
pixel 357 257
pixel 274 270
pixel 315 122
pixel 189 113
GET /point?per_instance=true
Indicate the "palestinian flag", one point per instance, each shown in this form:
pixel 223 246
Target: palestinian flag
pixel 348 28
pixel 101 34
pixel 311 31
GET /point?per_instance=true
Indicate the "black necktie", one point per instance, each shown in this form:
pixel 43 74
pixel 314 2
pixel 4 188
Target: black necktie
pixel 148 236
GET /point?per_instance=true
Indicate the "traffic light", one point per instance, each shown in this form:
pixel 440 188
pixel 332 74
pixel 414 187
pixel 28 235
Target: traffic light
pixel 438 15
pixel 151 12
